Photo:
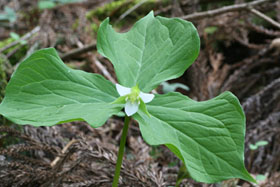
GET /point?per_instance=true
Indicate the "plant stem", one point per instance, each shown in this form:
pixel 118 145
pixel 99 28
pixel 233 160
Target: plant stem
pixel 121 151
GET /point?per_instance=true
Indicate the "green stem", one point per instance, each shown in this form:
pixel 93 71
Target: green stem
pixel 121 151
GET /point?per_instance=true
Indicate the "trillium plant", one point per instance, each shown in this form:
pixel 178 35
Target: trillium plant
pixel 207 136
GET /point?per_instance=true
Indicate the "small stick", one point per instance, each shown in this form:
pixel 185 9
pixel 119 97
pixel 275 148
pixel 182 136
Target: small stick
pixel 225 9
pixel 126 13
pixel 11 53
pixel 265 17
pixel 25 37
pixel 78 51
pixel 104 70
pixel 29 52
pixel 57 159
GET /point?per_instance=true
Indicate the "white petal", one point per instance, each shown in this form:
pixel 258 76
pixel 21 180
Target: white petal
pixel 123 90
pixel 146 97
pixel 131 108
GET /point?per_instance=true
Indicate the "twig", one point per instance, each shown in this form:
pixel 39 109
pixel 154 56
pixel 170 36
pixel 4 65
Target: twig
pixel 261 29
pixel 265 17
pixel 85 49
pixel 246 43
pixel 84 3
pixel 25 37
pixel 126 13
pixel 78 51
pixel 33 48
pixel 11 53
pixel 104 70
pixel 225 9
pixel 29 52
pixel 57 159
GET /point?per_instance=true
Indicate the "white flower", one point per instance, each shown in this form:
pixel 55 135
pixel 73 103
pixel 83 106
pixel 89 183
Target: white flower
pixel 132 98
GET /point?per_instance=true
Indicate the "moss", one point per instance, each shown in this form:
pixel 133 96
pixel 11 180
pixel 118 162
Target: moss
pixel 106 10
pixel 3 78
pixel 3 83
pixel 9 140
pixel 6 42
pixel 117 8
pixel 94 27
pixel 75 25
pixel 19 54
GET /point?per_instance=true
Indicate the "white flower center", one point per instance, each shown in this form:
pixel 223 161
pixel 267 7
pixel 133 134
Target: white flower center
pixel 132 97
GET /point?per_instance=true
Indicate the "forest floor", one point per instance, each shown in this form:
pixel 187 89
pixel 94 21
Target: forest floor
pixel 240 52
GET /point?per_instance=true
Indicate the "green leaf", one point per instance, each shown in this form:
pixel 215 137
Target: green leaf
pixel 23 42
pixel 258 144
pixel 9 14
pixel 14 35
pixel 46 4
pixel 261 177
pixel 43 91
pixel 171 87
pixel 154 50
pixel 253 147
pixel 261 143
pixel 211 29
pixel 207 136
pixel 68 1
pixel 12 16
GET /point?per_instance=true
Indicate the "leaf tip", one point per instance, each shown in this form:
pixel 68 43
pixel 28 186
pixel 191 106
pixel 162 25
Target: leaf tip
pixel 151 13
pixel 104 24
pixel 107 20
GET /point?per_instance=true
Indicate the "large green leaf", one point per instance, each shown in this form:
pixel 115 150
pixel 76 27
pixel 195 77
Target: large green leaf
pixel 154 50
pixel 207 136
pixel 44 91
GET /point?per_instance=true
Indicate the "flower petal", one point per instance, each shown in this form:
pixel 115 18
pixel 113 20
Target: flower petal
pixel 123 90
pixel 131 108
pixel 146 97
